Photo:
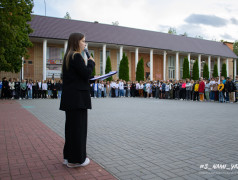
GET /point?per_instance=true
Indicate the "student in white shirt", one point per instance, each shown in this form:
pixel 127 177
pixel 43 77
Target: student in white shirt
pixel 44 89
pixel 100 89
pixel 141 86
pixel 116 88
pixel 148 88
pixel 167 90
pixel 95 88
pixel 121 88
pixel 113 89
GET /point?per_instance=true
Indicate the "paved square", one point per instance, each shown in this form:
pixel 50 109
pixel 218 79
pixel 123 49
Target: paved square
pixel 137 138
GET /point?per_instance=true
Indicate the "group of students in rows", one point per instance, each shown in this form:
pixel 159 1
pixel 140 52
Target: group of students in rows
pixel 214 89
pixel 30 89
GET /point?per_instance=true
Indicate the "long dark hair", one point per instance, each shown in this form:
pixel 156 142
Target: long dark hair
pixel 73 46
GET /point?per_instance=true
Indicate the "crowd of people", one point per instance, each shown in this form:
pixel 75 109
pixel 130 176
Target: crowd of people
pixel 215 89
pixel 30 89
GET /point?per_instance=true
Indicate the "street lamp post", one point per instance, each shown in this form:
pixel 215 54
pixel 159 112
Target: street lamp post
pixel 45 7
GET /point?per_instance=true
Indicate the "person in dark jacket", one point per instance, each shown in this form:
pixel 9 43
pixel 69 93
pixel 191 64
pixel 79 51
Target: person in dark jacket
pixel 5 88
pixel 230 88
pixel 75 100
pixel 54 89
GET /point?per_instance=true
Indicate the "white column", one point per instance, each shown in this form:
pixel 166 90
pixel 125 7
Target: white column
pixel 65 46
pixel 227 67
pixel 177 66
pixel 44 58
pixel 121 52
pixel 104 58
pixel 209 66
pixel 151 64
pixel 199 65
pixel 219 66
pixel 136 57
pixel 164 66
pixel 235 73
pixel 189 58
pixel 22 69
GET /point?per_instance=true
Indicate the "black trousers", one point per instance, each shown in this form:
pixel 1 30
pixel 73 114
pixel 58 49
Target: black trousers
pixel 76 136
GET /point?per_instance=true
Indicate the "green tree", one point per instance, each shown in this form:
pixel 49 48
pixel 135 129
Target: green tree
pixel 235 49
pixel 186 68
pixel 14 33
pixel 223 70
pixel 205 71
pixel 94 71
pixel 172 31
pixel 215 71
pixel 67 16
pixel 124 68
pixel 195 70
pixel 140 70
pixel 108 68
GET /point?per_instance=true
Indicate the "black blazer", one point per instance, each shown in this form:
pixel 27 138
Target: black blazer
pixel 76 87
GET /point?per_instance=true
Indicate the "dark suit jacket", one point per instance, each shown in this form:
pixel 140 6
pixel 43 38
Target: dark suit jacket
pixel 76 87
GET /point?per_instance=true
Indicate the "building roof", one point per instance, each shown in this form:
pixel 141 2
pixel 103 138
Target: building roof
pixel 59 28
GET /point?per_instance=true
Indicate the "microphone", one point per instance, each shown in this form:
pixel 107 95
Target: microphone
pixel 86 51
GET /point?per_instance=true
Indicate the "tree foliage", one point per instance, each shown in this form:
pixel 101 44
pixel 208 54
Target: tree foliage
pixel 186 68
pixel 94 71
pixel 124 68
pixel 14 33
pixel 223 70
pixel 205 71
pixel 195 70
pixel 215 71
pixel 67 16
pixel 235 47
pixel 108 68
pixel 140 70
pixel 172 31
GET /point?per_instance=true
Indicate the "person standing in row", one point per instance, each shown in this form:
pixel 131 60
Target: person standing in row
pixel 75 100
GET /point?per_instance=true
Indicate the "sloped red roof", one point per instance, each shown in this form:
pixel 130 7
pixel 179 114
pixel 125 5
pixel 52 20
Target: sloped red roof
pixel 59 28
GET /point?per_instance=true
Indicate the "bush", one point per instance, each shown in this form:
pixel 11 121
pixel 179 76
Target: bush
pixel 205 71
pixel 195 71
pixel 108 68
pixel 124 68
pixel 186 68
pixel 215 71
pixel 94 71
pixel 140 70
pixel 223 71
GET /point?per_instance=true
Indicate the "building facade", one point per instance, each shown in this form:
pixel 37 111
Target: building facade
pixel 163 54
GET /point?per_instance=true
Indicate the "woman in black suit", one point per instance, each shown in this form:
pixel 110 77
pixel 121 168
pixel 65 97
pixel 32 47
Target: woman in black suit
pixel 75 100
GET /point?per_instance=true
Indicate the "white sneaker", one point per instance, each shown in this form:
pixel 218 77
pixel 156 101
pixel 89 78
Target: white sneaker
pixel 65 162
pixel 73 165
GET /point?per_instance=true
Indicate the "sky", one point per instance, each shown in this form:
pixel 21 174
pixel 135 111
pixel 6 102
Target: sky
pixel 210 19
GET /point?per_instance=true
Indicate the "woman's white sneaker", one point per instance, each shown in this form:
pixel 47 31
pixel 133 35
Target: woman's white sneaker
pixel 73 165
pixel 65 162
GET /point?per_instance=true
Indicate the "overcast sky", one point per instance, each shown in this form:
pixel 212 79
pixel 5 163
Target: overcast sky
pixel 210 19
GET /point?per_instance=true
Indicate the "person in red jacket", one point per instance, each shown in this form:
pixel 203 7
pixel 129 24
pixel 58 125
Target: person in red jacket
pixel 201 89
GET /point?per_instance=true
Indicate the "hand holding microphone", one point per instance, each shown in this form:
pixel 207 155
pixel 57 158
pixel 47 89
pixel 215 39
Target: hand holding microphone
pixel 88 55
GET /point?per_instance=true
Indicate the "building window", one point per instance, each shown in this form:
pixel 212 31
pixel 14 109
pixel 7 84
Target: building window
pixel 181 60
pixel 29 62
pixel 54 60
pixel 171 67
pixel 101 60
